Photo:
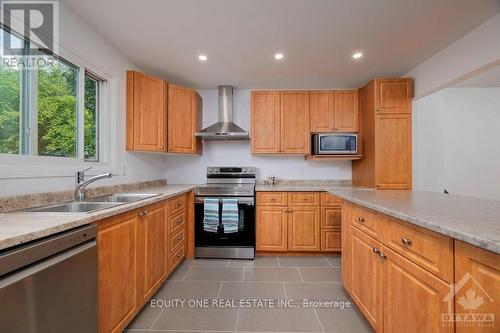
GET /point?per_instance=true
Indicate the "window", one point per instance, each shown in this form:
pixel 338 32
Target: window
pixel 52 110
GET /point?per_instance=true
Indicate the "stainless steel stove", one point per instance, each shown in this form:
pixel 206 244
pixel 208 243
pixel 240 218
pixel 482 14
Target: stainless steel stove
pixel 217 242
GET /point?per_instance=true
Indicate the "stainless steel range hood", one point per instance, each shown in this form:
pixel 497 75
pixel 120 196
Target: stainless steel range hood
pixel 224 129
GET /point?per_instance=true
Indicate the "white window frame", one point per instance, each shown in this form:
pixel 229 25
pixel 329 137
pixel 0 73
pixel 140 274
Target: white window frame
pixel 33 166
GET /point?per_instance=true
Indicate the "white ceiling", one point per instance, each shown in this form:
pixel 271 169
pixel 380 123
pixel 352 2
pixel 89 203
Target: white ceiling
pixel 317 37
pixel 488 78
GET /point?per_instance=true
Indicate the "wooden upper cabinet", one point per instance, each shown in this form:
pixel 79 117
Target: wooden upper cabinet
pixel 295 135
pixel 303 228
pixel 265 122
pixel 393 150
pixel 184 119
pixel 346 111
pixel 393 95
pixel 477 273
pixel 146 112
pixel 321 111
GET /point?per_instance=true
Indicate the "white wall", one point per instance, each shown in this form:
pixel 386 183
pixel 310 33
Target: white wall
pixel 79 40
pixel 456 138
pixel 475 52
pixel 192 169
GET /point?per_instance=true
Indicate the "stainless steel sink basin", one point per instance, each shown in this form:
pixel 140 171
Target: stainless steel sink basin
pixel 121 197
pixel 74 207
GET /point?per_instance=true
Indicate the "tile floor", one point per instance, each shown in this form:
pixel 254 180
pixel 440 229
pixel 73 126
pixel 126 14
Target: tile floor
pixel 268 279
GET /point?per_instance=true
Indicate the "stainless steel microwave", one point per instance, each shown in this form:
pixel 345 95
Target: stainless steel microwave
pixel 335 144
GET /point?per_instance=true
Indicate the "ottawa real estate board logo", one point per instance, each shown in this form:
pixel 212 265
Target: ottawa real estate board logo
pixel 30 32
pixel 474 307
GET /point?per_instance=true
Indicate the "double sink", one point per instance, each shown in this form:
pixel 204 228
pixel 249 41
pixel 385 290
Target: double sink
pixel 88 205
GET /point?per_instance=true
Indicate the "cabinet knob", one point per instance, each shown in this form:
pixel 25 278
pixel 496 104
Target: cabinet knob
pixel 178 255
pixel 361 219
pixel 375 250
pixel 143 213
pixel 178 221
pixel 179 204
pixel 179 238
pixel 382 256
pixel 406 241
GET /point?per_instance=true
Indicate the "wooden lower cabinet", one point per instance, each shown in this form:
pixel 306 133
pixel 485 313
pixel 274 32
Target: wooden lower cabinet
pixel 298 222
pixel 118 280
pixel 135 258
pixel 413 297
pixel 153 250
pixel 331 240
pixel 303 229
pixel 366 280
pixel 271 228
pixel 477 289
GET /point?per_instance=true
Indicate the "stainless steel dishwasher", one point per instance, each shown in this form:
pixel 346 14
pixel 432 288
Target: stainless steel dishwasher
pixel 50 285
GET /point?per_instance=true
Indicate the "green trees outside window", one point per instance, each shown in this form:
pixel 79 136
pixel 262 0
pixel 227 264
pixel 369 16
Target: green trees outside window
pixel 39 110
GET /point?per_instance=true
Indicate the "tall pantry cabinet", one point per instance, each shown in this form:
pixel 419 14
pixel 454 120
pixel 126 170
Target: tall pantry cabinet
pixel 386 140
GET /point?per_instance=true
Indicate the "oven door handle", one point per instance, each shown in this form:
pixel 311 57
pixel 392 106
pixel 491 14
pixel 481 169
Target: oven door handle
pixel 248 201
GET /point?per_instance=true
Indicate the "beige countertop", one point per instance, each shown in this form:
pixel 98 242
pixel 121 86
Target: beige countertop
pixel 305 188
pixel 471 220
pixel 20 227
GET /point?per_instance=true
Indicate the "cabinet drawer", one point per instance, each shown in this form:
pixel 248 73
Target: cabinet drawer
pixel 177 222
pixel 328 199
pixel 303 198
pixel 177 239
pixel 272 198
pixel 368 221
pixel 330 240
pixel 331 217
pixel 430 250
pixel 176 257
pixel 177 204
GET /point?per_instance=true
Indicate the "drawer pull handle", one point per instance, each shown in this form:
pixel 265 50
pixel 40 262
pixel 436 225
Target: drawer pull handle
pixel 178 255
pixel 361 219
pixel 178 221
pixel 143 213
pixel 376 251
pixel 382 256
pixel 305 199
pixel 406 241
pixel 179 238
pixel 272 199
pixel 179 204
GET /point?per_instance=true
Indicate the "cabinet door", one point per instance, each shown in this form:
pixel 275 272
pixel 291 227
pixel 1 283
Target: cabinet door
pixel 321 111
pixel 303 229
pixel 393 162
pixel 183 120
pixel 367 277
pixel 413 297
pixel 477 288
pixel 271 228
pixel 346 111
pixel 346 243
pixel 146 112
pixel 330 240
pixel 118 272
pixel 154 249
pixel 295 136
pixel 265 122
pixel 331 217
pixel 393 95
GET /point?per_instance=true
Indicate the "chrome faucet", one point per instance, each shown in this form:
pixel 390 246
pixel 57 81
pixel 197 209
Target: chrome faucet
pixel 81 183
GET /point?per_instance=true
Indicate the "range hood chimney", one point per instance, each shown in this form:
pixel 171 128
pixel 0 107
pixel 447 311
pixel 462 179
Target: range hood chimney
pixel 224 129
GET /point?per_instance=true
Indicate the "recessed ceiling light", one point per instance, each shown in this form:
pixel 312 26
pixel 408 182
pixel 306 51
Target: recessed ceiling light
pixel 357 55
pixel 202 57
pixel 278 56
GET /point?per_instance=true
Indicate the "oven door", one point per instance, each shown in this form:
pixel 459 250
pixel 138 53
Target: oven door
pixel 339 144
pixel 243 237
